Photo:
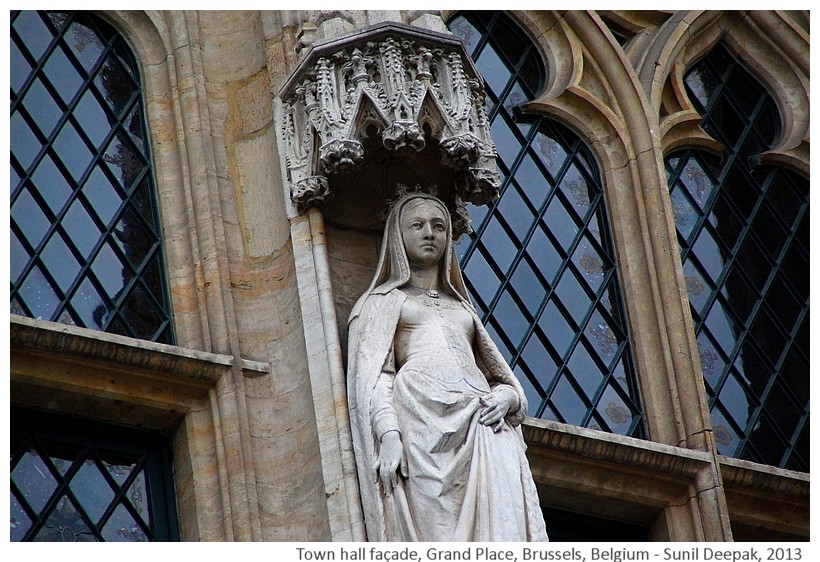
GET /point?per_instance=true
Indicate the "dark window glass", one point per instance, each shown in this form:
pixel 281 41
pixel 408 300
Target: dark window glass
pixel 73 480
pixel 743 232
pixel 84 226
pixel 564 526
pixel 539 263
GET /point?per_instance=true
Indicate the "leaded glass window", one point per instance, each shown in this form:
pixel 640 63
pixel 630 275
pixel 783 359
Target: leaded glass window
pixel 539 264
pixel 74 481
pixel 743 233
pixel 85 236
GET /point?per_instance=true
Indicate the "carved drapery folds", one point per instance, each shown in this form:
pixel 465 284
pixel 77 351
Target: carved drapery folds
pixel 383 94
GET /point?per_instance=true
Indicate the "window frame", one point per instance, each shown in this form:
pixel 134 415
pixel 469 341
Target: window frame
pixel 736 161
pixel 89 275
pixel 179 389
pixel 151 451
pixel 629 119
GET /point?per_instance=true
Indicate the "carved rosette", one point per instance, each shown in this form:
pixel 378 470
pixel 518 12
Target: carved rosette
pixel 409 85
pixel 401 135
pixel 340 155
pixel 309 191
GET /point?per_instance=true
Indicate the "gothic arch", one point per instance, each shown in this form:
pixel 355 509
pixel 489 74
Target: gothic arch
pixel 600 97
pixel 771 44
pixel 149 37
pixel 594 89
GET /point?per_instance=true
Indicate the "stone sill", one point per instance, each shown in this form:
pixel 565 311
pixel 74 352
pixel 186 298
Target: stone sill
pixel 748 474
pixel 72 342
pixel 617 449
pixel 639 453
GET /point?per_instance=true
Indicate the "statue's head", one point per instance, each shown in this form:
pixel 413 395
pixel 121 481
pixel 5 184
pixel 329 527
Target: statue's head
pixel 417 233
pixel 425 230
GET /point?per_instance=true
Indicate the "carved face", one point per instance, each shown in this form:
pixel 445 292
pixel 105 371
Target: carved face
pixel 424 232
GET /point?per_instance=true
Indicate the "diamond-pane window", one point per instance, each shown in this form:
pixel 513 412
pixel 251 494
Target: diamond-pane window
pixel 744 244
pixel 73 480
pixel 539 264
pixel 84 223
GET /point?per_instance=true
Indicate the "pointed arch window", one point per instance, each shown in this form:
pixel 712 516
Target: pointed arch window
pixel 85 235
pixel 743 234
pixel 540 263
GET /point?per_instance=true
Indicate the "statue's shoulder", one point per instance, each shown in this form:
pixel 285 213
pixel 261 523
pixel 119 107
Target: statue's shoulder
pixel 469 307
pixel 376 303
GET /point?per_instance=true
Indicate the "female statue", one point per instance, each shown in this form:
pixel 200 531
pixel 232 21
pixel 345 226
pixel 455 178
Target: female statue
pixel 434 407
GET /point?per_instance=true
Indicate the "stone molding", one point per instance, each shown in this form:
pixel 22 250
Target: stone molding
pixel 325 367
pixel 612 448
pixel 73 343
pixel 640 477
pixel 125 371
pixel 402 84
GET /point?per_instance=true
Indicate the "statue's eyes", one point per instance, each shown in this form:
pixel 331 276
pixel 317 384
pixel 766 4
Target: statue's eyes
pixel 416 225
pixel 439 226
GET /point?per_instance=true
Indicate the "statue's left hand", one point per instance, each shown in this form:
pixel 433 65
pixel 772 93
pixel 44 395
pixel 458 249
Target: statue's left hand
pixel 497 403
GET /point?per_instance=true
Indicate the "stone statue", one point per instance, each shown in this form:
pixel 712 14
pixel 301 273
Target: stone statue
pixel 435 409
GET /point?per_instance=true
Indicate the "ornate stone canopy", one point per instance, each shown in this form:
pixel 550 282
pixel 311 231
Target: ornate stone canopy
pixel 390 105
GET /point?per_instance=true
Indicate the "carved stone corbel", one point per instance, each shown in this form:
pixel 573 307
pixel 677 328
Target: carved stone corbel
pixel 340 155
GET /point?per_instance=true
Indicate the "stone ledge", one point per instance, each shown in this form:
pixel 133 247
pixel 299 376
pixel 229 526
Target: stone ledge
pixel 739 473
pixel 633 480
pixel 765 502
pixel 71 342
pixel 628 452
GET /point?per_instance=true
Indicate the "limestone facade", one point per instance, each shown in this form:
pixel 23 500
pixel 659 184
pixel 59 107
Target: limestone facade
pixel 253 392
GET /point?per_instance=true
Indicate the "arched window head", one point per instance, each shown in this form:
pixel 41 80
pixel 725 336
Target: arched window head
pixel 85 234
pixel 743 233
pixel 540 263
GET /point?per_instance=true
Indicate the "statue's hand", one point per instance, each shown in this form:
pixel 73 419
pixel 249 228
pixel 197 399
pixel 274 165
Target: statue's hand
pixel 497 404
pixel 391 459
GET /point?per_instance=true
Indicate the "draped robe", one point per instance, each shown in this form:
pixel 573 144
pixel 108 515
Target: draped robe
pixel 465 482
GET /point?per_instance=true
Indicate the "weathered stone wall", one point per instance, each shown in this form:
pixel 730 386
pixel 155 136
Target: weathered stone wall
pixel 253 393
